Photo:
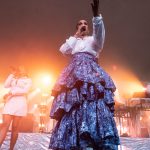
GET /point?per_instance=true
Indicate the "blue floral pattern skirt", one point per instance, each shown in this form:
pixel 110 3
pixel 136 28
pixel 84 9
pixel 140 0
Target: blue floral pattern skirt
pixel 84 107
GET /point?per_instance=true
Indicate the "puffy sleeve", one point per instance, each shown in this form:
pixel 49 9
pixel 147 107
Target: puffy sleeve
pixel 98 31
pixel 8 81
pixel 68 46
pixel 24 89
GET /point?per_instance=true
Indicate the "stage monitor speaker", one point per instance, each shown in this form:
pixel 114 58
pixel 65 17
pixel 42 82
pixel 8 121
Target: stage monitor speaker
pixel 144 133
pixel 26 124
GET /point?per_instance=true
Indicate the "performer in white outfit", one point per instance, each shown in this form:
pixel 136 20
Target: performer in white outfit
pixel 15 103
pixel 83 102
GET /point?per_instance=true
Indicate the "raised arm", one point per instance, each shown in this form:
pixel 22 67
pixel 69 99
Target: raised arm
pixel 8 81
pixel 13 74
pixel 98 25
pixel 22 89
pixel 98 31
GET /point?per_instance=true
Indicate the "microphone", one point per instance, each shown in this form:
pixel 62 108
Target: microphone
pixel 83 29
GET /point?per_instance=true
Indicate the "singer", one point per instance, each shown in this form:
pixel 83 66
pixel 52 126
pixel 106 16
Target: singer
pixel 15 103
pixel 83 94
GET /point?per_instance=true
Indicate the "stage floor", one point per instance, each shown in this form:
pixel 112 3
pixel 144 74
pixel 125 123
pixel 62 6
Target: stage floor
pixel 40 141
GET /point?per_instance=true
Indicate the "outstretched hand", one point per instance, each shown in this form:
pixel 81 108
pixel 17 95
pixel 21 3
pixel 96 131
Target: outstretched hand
pixel 95 7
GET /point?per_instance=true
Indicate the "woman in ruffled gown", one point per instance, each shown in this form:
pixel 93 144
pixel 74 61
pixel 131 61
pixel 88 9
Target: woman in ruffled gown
pixel 83 94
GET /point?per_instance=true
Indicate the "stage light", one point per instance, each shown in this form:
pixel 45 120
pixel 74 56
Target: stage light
pixel 52 97
pixel 41 125
pixel 38 90
pixel 45 94
pixel 42 114
pixel 46 80
pixel 135 87
pixel 35 106
pixel 1 121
